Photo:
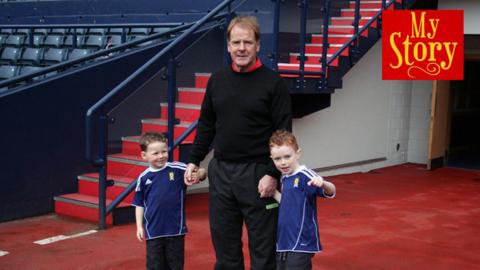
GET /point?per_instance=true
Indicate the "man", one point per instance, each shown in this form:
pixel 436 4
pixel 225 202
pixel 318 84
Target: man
pixel 243 105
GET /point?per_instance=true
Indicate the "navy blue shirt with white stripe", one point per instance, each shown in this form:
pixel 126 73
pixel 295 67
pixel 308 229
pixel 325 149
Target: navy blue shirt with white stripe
pixel 162 195
pixel 297 218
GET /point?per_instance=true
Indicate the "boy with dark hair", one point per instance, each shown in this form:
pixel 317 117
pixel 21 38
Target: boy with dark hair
pixel 297 233
pixel 160 201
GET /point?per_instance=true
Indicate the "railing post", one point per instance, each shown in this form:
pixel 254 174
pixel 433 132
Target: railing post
pixel 228 18
pixel 300 84
pixel 356 20
pixel 172 84
pixel 325 45
pixel 276 30
pixel 102 177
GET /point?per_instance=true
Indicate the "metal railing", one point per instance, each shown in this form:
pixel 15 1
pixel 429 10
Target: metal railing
pixel 326 61
pixel 165 58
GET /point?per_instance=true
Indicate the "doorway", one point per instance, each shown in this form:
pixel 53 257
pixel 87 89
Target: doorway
pixel 464 144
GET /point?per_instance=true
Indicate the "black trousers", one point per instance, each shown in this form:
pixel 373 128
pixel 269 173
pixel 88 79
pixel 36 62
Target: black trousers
pixel 233 200
pixel 294 261
pixel 166 253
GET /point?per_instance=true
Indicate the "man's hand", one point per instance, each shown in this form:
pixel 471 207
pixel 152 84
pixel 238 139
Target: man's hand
pixel 190 177
pixel 267 186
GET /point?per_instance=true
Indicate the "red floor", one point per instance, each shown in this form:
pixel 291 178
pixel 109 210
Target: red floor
pixel 401 217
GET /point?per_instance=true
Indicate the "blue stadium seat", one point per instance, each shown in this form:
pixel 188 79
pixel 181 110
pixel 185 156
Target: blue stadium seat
pixel 9 55
pixel 8 72
pixel 3 37
pixel 7 31
pixel 140 31
pixel 114 40
pixel 79 31
pixel 97 31
pixel 30 69
pixel 31 56
pixel 14 40
pixel 59 31
pixel 130 38
pixel 40 31
pixel 69 41
pixel 54 55
pixel 77 53
pixel 157 30
pixel 116 31
pixel 97 42
pixel 53 41
pixel 37 41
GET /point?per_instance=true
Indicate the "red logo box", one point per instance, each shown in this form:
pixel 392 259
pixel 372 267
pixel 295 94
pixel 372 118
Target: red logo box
pixel 422 45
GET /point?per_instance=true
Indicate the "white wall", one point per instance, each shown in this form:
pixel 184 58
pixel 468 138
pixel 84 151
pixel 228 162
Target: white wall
pixel 419 122
pixel 471 10
pixel 368 117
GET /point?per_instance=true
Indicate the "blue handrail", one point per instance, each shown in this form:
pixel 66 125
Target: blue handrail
pixel 166 56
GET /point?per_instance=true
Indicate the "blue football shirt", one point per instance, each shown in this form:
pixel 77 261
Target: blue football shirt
pixel 162 195
pixel 297 218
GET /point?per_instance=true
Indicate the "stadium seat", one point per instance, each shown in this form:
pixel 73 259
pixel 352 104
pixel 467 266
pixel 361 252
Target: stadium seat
pixel 116 31
pixel 97 42
pixel 77 53
pixel 53 41
pixel 114 40
pixel 9 55
pixel 59 31
pixel 79 31
pixel 37 41
pixel 157 30
pixel 69 41
pixel 54 55
pixel 3 37
pixel 31 56
pixel 7 31
pixel 15 40
pixel 7 72
pixel 143 31
pixel 97 31
pixel 30 69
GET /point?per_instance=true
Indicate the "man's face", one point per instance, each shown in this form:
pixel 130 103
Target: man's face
pixel 243 47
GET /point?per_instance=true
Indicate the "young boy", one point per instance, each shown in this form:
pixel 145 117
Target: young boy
pixel 160 201
pixel 297 234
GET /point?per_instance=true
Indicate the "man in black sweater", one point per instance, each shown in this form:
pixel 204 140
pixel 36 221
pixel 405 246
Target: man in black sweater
pixel 243 105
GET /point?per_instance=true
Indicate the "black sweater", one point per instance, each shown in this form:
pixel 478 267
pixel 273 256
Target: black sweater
pixel 240 111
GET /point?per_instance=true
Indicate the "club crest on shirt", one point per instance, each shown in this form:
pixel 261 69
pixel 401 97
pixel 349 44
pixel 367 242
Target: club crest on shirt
pixel 295 182
pixel 171 176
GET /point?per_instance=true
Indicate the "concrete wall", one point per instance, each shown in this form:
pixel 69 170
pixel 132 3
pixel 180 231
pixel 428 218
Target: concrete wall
pixel 368 119
pixel 471 10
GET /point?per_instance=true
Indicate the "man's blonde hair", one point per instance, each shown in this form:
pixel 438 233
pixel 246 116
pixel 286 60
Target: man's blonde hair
pixel 248 22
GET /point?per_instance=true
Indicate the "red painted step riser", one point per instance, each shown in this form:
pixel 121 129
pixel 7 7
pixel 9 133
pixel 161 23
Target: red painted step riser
pixel 201 81
pixel 80 212
pixel 350 23
pixel 184 114
pixel 195 98
pixel 312 60
pixel 362 13
pixel 331 40
pixel 318 50
pixel 124 169
pixel 367 5
pixel 341 31
pixel 146 127
pixel 91 188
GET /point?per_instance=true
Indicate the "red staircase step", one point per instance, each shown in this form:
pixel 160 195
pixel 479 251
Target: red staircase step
pixel 367 4
pixel 183 111
pixel 349 21
pixel 125 165
pixel 82 206
pixel 88 185
pixel 296 67
pixel 161 125
pixel 317 48
pixel 364 12
pixel 191 95
pixel 332 39
pixel 340 29
pixel 201 80
pixel 131 146
pixel 313 59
